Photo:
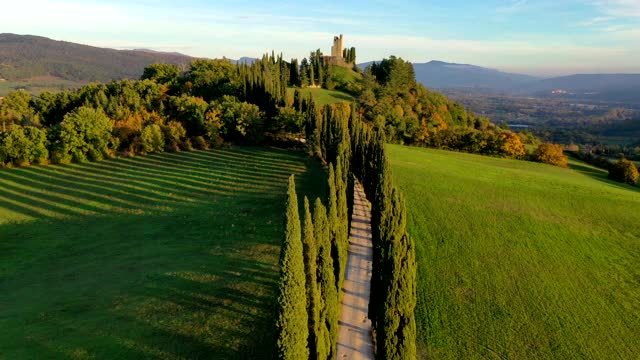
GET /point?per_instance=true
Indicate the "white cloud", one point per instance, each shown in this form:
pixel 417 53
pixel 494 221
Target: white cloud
pixel 596 21
pixel 620 8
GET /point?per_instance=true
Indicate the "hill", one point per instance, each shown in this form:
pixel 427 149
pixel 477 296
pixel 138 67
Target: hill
pixel 171 256
pixel 604 87
pixel 443 75
pixel 600 87
pixel 521 260
pixel 438 74
pixel 35 60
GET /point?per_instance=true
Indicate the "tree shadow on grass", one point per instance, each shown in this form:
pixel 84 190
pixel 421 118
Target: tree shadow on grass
pixel 137 258
pixel 149 294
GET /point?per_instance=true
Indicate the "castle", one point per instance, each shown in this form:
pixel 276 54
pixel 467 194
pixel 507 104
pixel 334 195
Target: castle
pixel 336 57
pixel 338 45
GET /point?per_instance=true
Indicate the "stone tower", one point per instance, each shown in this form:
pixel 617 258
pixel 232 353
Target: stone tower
pixel 336 49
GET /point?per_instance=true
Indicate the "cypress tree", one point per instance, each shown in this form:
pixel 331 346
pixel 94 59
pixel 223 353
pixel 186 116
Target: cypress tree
pixel 396 335
pixel 292 321
pixel 320 73
pixel 343 222
pixel 312 78
pixel 304 73
pixel 328 304
pixel 311 269
pixel 294 73
pixel 380 217
pixel 334 227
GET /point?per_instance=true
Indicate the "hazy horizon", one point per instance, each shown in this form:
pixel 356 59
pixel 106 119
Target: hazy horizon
pixel 541 38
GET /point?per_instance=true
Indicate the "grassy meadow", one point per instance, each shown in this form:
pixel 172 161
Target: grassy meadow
pixel 519 260
pixel 170 256
pixel 322 96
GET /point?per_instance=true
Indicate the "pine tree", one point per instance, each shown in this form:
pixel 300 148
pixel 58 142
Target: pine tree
pixel 292 321
pixel 328 304
pixel 311 269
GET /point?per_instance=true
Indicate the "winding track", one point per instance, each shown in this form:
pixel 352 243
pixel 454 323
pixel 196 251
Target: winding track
pixel 355 339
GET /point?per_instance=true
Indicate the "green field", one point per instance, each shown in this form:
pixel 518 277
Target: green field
pixel 170 256
pixel 37 87
pixel 322 96
pixel 520 260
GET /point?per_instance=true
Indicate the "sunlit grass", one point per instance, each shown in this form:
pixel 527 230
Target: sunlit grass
pixel 170 256
pixel 519 260
pixel 322 96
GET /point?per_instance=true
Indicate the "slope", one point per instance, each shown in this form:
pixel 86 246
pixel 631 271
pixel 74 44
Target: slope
pixel 170 256
pixel 26 58
pixel 521 260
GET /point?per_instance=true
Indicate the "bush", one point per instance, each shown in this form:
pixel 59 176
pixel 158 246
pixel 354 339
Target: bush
pixel 552 154
pixel 152 139
pixel 23 145
pixel 511 145
pixel 198 142
pixel 174 136
pixel 85 133
pixel 624 171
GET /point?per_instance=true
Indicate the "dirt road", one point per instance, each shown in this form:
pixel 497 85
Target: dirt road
pixel 355 341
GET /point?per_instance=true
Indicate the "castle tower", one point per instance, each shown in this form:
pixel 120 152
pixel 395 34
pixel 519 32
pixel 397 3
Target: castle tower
pixel 336 49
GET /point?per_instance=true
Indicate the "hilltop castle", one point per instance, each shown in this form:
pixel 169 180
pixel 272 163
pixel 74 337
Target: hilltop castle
pixel 337 53
pixel 338 45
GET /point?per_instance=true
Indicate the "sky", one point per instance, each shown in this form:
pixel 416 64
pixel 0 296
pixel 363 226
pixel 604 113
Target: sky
pixel 545 37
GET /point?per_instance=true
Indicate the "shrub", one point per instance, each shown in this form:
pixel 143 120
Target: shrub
pixel 152 139
pixel 198 142
pixel 511 145
pixel 624 171
pixel 550 154
pixel 174 136
pixel 23 145
pixel 85 133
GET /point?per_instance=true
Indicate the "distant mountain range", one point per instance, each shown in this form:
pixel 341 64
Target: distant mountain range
pixel 26 57
pixel 601 87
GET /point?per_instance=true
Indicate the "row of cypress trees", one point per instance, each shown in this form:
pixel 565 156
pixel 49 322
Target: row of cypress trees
pixel 317 252
pixel 314 256
pixel 393 281
pixel 308 301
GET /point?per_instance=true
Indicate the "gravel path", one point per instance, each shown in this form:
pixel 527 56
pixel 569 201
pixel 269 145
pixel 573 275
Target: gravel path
pixel 354 341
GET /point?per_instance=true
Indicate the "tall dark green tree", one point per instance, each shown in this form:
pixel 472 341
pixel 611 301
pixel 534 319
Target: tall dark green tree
pixel 328 318
pixel 311 270
pixel 342 231
pixel 312 76
pixel 334 229
pixel 396 331
pixel 294 73
pixel 292 322
pixel 304 72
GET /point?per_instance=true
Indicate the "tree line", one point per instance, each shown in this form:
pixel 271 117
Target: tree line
pixel 213 102
pixel 314 252
pixel 337 136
